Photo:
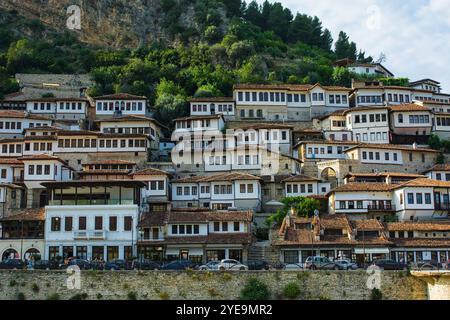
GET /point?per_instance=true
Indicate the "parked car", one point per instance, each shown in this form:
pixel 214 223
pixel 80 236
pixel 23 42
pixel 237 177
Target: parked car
pixel 46 265
pixel 145 265
pixel 258 265
pixel 293 266
pixel 82 264
pixel 211 266
pixel 320 263
pixel 178 265
pixel 118 264
pixel 345 264
pixel 12 264
pixel 98 265
pixel 387 264
pixel 426 265
pixel 446 265
pixel 230 264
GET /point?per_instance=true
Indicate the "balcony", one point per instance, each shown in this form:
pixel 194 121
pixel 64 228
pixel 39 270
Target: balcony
pixel 89 235
pixel 93 202
pixel 381 208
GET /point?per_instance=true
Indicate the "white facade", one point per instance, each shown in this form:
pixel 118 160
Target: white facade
pixel 59 108
pixel 120 105
pixel 369 125
pixel 83 241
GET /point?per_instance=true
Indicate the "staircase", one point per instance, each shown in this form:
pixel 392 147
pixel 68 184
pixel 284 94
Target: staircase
pixel 262 251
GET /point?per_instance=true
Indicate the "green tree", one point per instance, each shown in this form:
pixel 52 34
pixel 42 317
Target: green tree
pixel 435 142
pixel 342 77
pixel 171 102
pixel 344 48
pixel 304 207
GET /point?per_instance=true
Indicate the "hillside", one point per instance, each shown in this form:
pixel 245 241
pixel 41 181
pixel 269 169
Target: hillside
pixel 169 50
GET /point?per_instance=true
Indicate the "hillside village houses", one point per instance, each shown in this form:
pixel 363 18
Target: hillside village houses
pixel 100 178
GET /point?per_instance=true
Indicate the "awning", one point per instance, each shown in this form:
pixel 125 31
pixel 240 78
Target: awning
pixel 372 251
pixel 34 185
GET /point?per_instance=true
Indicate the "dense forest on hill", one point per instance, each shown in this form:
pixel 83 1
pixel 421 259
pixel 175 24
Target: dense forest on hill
pixel 232 42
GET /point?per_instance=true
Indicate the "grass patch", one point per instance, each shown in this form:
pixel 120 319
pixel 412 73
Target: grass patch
pixel 291 291
pixel 54 296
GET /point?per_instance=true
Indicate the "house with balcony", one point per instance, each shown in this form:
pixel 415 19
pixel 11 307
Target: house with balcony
pixel 13 123
pixel 199 235
pixel 212 106
pixel 218 192
pixel 22 234
pixel 426 84
pixel 410 123
pixel 364 68
pixel 382 177
pixel 375 93
pixel 107 170
pixel 363 200
pixel 368 124
pixel 120 104
pixel 94 220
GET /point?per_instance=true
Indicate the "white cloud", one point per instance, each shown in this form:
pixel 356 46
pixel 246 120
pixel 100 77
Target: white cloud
pixel 413 34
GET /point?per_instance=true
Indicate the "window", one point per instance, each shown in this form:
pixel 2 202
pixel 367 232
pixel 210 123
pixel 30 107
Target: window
pixel 224 226
pixel 174 229
pixel 47 169
pixel 39 169
pixel 56 224
pixel 68 223
pixel 98 223
pixel 128 223
pixel 410 198
pixel 4 173
pixel 249 188
pixel 112 223
pixel 216 226
pixel 427 198
pixel 236 226
pixel 419 198
pixel 31 170
pixel 82 223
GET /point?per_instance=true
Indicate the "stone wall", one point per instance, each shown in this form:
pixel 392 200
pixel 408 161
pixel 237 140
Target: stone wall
pixel 205 285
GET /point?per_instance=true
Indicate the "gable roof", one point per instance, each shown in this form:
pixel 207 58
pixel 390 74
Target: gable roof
pixel 439 167
pixel 408 108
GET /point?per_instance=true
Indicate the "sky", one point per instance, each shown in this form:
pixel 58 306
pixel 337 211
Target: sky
pixel 413 34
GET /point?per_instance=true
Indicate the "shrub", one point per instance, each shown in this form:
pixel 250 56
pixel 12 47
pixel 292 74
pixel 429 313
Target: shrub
pixel 35 288
pixel 213 292
pixel 164 296
pixel 226 277
pixel 12 283
pixel 291 291
pixel 254 289
pixel 21 296
pixel 79 296
pixel 132 295
pixel 376 294
pixel 99 296
pixel 54 296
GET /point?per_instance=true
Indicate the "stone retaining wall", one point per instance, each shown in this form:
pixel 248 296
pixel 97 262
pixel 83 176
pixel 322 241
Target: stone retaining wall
pixel 156 285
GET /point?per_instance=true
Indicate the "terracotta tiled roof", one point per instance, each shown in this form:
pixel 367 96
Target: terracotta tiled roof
pixel 20 115
pixel 390 147
pixel 41 138
pixel 120 96
pixel 275 178
pixel 110 162
pixel 182 217
pixel 125 173
pixel 212 99
pixel 425 182
pixel 334 222
pixel 26 215
pixel 330 142
pixel 418 226
pixel 212 238
pixel 42 157
pixel 300 178
pixel 440 167
pixel 11 161
pixel 386 174
pixel 288 87
pixel 367 225
pixel 422 243
pixel 232 176
pixel 153 219
pixel 266 126
pixel 130 118
pixel 364 108
pixel 336 113
pixel 206 117
pixel 409 107
pixel 150 172
pixel 364 186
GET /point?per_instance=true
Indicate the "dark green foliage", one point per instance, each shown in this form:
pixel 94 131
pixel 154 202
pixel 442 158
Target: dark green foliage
pixel 132 295
pixel 291 290
pixel 304 207
pixel 376 294
pixel 230 42
pixel 79 296
pixel 254 289
pixel 21 296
